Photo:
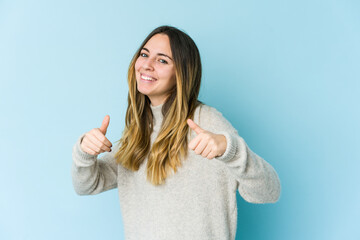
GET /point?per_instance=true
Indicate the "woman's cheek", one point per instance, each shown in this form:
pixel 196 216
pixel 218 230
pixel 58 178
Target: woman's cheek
pixel 137 64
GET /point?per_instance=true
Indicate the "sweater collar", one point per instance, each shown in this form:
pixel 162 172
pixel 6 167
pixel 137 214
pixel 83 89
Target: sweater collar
pixel 156 111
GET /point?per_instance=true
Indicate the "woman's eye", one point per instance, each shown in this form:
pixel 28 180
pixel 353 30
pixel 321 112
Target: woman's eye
pixel 143 54
pixel 163 61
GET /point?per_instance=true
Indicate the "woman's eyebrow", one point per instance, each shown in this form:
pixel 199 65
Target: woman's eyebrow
pixel 159 54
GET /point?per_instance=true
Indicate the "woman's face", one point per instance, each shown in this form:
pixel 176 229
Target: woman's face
pixel 155 69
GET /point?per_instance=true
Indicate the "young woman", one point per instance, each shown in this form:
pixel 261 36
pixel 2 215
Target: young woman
pixel 179 162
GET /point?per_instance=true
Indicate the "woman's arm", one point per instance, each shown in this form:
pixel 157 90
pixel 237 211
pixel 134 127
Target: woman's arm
pixel 258 180
pixel 90 174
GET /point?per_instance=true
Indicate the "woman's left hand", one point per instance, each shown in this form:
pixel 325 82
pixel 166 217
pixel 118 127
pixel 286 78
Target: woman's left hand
pixel 207 144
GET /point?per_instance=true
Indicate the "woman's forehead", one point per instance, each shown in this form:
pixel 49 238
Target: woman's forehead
pixel 159 43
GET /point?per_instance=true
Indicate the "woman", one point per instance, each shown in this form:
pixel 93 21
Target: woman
pixel 179 162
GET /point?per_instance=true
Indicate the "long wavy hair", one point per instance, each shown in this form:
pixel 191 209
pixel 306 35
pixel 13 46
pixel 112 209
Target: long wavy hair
pixel 171 145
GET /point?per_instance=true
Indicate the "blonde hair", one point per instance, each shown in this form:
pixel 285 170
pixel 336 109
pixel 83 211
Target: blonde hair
pixel 171 145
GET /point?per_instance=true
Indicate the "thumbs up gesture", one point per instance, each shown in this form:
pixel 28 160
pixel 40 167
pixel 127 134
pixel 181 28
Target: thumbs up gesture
pixel 94 142
pixel 206 143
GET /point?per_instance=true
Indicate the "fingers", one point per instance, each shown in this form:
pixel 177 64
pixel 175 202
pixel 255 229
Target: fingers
pixel 100 140
pixel 194 126
pixel 206 152
pixel 201 146
pixel 211 155
pixel 105 124
pixel 193 144
pixel 101 137
pixel 95 142
pixel 90 150
pixel 205 145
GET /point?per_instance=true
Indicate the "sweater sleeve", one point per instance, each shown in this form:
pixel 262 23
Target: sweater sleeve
pixel 92 174
pixel 258 180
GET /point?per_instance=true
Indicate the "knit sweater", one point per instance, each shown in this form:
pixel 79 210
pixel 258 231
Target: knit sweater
pixel 198 202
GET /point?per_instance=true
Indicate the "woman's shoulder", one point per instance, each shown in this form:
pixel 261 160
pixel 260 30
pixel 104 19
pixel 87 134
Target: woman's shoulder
pixel 203 108
pixel 210 118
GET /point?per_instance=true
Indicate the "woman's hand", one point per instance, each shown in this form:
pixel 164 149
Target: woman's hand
pixel 207 144
pixel 94 142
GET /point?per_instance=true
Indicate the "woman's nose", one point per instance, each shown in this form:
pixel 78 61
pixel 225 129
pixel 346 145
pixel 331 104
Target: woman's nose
pixel 148 64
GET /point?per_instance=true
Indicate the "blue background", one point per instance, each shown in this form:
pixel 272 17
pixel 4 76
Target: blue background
pixel 284 73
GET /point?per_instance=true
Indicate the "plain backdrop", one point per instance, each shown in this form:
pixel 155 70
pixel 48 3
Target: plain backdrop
pixel 284 73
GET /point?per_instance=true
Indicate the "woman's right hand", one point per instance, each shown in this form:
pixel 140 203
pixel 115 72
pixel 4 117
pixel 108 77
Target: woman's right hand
pixel 94 142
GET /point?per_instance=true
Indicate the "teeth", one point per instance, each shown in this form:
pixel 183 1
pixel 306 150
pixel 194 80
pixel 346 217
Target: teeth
pixel 147 78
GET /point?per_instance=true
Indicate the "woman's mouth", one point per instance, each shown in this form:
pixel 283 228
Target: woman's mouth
pixel 146 78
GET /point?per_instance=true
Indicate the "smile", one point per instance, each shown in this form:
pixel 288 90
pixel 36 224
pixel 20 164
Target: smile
pixel 147 78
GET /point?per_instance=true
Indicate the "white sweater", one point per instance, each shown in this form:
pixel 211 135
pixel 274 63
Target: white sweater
pixel 196 203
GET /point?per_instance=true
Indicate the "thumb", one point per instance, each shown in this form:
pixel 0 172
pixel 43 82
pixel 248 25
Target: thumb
pixel 105 124
pixel 194 126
